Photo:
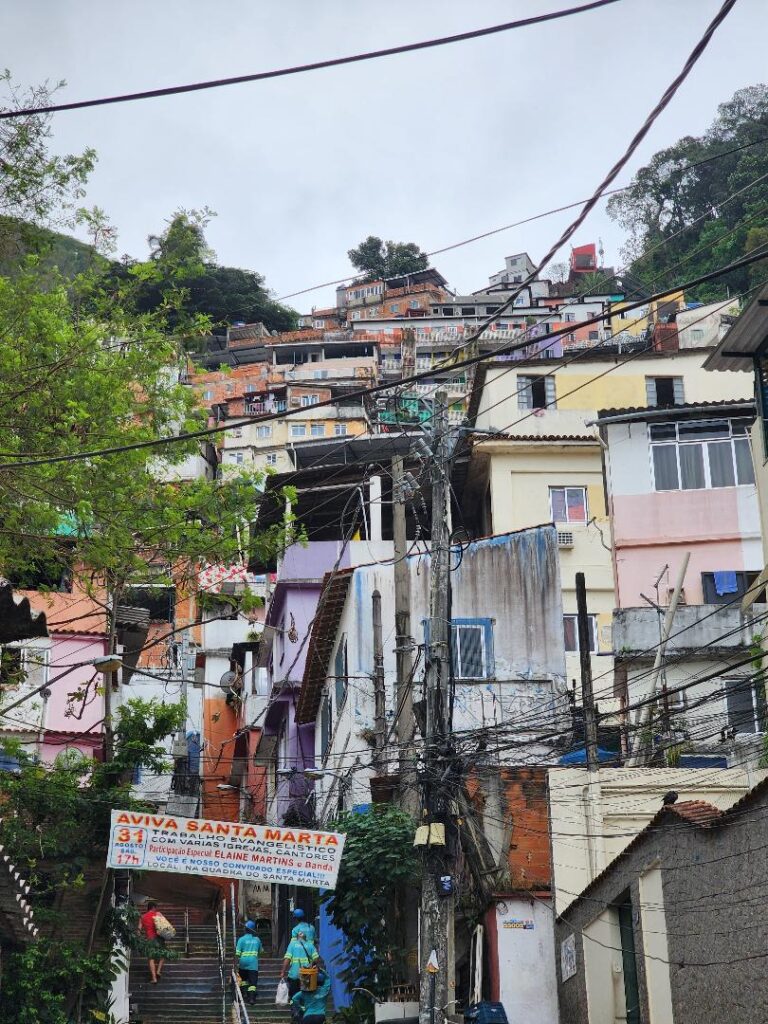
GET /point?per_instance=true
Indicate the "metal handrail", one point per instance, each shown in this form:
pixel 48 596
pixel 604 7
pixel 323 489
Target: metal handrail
pixel 186 931
pixel 242 1010
pixel 220 945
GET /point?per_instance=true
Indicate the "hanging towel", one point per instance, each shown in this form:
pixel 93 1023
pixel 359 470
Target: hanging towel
pixel 726 582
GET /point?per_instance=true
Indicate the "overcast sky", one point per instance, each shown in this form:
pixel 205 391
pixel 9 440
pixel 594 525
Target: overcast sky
pixel 428 147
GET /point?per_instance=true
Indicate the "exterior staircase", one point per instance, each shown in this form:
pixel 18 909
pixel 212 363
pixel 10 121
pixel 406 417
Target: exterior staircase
pixel 190 990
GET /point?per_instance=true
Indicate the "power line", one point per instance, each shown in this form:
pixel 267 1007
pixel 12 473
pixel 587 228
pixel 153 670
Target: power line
pixel 298 69
pixel 375 389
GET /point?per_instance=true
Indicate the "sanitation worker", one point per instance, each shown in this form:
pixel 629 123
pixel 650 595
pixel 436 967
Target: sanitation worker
pixel 312 1005
pixel 248 951
pixel 302 926
pixel 300 953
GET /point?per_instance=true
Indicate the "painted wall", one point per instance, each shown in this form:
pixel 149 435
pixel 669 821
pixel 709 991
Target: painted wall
pixel 511 579
pixel 521 475
pixel 625 801
pixel 526 957
pixel 655 528
pixel 623 387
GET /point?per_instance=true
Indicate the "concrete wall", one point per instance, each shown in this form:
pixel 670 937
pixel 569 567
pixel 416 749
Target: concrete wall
pixel 710 918
pixel 526 959
pixel 512 580
pixel 520 479
pixel 626 800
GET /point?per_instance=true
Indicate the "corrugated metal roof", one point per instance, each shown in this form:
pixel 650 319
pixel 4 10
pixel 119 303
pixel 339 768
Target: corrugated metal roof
pixel 749 335
pixel 672 411
pixel 321 643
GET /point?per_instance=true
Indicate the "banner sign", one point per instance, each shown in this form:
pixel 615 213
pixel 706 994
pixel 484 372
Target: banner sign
pixel 224 849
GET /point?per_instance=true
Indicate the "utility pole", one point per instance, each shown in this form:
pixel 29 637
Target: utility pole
pixel 585 660
pixel 403 657
pixel 436 906
pixel 637 743
pixel 379 695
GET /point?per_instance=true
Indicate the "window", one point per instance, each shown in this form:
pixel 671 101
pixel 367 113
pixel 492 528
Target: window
pixel 160 601
pixel 250 388
pixel 569 318
pixel 13 666
pixel 593 336
pixel 661 392
pixel 447 310
pixel 341 673
pixel 237 432
pixel 395 307
pixel 472 648
pixel 568 504
pixel 697 334
pixel 272 459
pixel 317 430
pixel 264 431
pixel 325 725
pixel 745 701
pixel 320 374
pixel 207 395
pixel 298 430
pixel 700 454
pixel 414 304
pixel 237 457
pixel 536 392
pixel 726 586
pixel 492 309
pixel 467 310
pixel 340 429
pixel 307 400
pixel 571 633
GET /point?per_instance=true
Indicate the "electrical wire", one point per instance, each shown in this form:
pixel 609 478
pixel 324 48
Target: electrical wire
pixel 261 76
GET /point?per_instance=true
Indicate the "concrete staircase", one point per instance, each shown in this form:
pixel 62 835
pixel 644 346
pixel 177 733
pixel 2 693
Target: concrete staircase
pixel 190 990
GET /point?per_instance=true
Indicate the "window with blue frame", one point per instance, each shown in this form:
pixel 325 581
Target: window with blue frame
pixel 341 673
pixel 471 648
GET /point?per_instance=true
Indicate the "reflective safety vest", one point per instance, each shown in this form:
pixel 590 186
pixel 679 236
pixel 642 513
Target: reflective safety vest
pixel 300 954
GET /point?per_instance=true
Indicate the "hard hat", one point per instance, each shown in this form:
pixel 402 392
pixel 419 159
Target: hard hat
pixel 250 926
pixel 298 913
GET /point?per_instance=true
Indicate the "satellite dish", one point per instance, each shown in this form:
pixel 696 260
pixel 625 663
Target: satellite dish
pixel 228 680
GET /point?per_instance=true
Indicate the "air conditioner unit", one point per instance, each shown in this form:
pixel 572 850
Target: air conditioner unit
pixel 564 539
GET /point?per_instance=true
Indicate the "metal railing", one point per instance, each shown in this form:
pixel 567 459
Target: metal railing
pixel 239 1002
pixel 222 956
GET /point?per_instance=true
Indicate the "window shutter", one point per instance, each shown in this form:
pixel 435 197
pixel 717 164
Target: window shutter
pixel 549 384
pixel 525 393
pixel 650 391
pixel 677 385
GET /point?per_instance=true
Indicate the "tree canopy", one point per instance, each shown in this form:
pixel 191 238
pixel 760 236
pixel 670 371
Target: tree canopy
pixel 685 220
pixel 377 259
pixel 184 261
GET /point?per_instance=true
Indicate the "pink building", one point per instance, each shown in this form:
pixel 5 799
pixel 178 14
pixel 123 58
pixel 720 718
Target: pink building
pixel 680 481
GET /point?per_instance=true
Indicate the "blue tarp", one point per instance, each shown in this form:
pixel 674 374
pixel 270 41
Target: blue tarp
pixel 579 756
pixel 9 764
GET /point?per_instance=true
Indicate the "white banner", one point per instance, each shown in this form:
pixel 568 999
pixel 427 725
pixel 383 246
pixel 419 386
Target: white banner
pixel 224 849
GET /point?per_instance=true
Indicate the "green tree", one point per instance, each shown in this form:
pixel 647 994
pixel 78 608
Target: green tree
pixel 377 259
pixel 181 260
pixel 368 904
pixel 695 218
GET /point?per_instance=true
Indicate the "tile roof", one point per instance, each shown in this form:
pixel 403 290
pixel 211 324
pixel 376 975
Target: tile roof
pixel 321 643
pixel 698 812
pixel 674 409
pixel 69 613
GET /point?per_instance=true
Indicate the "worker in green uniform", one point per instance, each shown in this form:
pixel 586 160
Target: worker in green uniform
pixel 302 926
pixel 248 950
pixel 300 953
pixel 313 1004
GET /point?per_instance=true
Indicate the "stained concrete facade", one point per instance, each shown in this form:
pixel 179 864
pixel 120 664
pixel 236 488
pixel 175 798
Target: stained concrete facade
pixel 694 881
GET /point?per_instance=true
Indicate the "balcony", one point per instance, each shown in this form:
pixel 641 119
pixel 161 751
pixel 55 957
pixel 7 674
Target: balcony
pixel 712 627
pixel 262 408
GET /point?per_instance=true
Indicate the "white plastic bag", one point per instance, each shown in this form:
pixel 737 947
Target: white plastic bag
pixel 281 997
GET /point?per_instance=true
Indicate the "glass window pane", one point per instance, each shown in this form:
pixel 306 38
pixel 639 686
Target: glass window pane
pixel 721 464
pixel 745 471
pixel 557 496
pixel 468 653
pixel 704 428
pixel 569 633
pixel 663 432
pixel 741 710
pixel 576 498
pixel 740 426
pixel 665 467
pixel 692 466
